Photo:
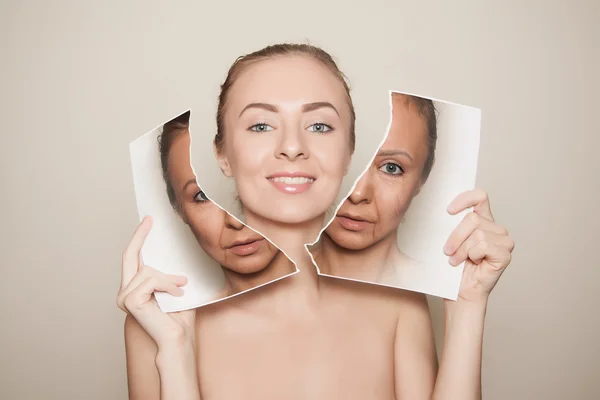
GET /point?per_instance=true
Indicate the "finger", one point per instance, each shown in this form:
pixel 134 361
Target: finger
pixel 467 226
pixel 475 247
pixel 142 294
pixel 139 279
pixel 498 257
pixel 132 254
pixel 145 273
pixel 477 198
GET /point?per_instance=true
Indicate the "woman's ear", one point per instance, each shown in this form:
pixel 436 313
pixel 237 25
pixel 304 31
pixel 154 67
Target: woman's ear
pixel 223 162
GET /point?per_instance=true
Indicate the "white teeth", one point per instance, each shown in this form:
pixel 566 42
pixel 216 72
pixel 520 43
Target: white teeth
pixel 292 180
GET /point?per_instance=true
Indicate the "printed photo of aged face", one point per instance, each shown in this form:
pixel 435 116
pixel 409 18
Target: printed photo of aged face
pixel 392 227
pixel 191 235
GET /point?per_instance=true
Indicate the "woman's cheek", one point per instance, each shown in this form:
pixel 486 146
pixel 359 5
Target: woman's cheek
pixel 248 160
pixel 391 200
pixel 402 201
pixel 334 157
pixel 272 249
pixel 207 226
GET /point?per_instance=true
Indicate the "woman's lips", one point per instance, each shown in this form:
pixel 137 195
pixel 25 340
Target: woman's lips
pixel 246 248
pixel 352 224
pixel 291 182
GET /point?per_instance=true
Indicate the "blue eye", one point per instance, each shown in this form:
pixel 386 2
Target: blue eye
pixel 392 169
pixel 262 127
pixel 200 197
pixel 320 128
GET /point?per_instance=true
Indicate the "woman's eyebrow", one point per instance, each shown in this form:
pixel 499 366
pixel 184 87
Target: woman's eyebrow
pixel 389 153
pixel 317 105
pixel 262 106
pixel 188 183
pixel 305 108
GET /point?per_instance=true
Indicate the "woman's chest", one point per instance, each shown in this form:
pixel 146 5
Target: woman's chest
pixel 337 358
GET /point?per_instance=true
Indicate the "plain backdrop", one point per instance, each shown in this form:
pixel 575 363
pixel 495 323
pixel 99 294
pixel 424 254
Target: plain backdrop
pixel 79 81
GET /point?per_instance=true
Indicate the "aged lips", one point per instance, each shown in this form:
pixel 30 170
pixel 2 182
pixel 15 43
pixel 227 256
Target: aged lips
pixel 291 182
pixel 352 223
pixel 246 247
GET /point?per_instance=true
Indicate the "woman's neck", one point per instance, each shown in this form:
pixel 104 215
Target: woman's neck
pixel 292 239
pixel 368 264
pixel 289 238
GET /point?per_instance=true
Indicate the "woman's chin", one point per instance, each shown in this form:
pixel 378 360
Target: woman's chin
pixel 247 270
pixel 290 210
pixel 294 215
pixel 348 241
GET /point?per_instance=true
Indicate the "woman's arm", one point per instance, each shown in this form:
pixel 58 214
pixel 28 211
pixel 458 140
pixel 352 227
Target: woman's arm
pixel 142 373
pixel 485 248
pixel 159 374
pixel 159 346
pixel 177 369
pixel 459 376
pixel 415 360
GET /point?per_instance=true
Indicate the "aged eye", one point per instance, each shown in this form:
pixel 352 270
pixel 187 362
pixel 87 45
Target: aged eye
pixel 262 127
pixel 392 169
pixel 320 128
pixel 200 197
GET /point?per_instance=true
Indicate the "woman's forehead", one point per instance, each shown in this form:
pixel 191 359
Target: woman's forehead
pixel 408 127
pixel 286 79
pixel 179 157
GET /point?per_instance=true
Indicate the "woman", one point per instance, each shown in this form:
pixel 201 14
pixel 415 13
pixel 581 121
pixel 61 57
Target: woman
pixel 361 241
pixel 247 259
pixel 286 132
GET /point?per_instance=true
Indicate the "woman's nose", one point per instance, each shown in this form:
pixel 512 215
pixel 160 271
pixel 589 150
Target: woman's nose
pixel 363 191
pixel 232 223
pixel 292 144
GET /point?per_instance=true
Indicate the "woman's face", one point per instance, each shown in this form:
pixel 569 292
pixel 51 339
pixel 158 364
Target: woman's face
pixel 226 240
pixel 287 138
pixel 383 194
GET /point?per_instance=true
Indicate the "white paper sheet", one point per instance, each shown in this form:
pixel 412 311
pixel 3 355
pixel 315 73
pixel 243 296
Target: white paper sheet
pixel 171 246
pixel 427 225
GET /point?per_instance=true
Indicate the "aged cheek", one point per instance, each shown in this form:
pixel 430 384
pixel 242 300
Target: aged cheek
pixel 391 202
pixel 400 208
pixel 404 200
pixel 206 227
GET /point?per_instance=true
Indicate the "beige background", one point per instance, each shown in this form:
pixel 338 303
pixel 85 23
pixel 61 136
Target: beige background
pixel 78 82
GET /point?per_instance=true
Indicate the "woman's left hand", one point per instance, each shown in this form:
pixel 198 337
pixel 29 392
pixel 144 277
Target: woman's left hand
pixel 483 245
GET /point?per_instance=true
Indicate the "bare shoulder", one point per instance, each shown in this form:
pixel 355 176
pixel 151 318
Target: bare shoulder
pixel 412 304
pixel 142 373
pixel 389 301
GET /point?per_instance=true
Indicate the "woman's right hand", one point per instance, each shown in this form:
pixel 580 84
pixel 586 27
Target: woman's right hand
pixel 136 295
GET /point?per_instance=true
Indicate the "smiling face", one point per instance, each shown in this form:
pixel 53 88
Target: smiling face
pixel 229 242
pixel 374 210
pixel 287 138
